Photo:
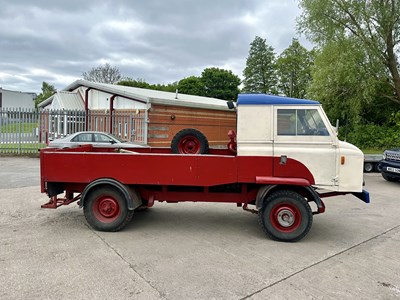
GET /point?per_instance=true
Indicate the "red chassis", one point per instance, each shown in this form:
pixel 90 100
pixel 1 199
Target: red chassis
pixel 101 177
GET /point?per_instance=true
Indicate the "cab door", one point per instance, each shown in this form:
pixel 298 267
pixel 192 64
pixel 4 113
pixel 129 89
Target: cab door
pixel 304 133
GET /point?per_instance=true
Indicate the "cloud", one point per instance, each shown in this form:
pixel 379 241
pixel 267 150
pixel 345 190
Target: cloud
pixel 156 40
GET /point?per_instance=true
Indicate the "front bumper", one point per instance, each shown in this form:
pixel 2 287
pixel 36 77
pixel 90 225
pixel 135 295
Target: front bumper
pixel 390 167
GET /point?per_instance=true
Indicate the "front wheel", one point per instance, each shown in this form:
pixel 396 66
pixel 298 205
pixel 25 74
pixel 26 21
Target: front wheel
pixel 285 216
pixel 106 209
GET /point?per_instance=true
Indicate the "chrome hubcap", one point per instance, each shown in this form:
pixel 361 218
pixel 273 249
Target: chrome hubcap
pixel 285 218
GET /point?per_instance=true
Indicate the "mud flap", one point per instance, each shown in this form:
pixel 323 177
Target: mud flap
pixel 363 196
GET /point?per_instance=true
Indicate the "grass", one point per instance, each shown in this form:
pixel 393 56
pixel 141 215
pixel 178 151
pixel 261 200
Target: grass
pixel 373 151
pixel 23 147
pixel 15 127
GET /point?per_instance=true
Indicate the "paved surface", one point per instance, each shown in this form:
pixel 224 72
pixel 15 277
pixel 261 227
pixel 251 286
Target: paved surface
pixel 194 250
pixel 19 172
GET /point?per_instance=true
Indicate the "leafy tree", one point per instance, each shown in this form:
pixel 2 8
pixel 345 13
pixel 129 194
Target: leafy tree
pixel 375 25
pixel 140 83
pixel 220 83
pixel 294 70
pixel 170 87
pixel 103 74
pixel 350 94
pixel 47 91
pixel 338 82
pixel 192 86
pixel 259 73
pixel 214 82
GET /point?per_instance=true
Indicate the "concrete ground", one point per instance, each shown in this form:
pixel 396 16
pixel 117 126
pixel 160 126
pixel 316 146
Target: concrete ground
pixel 194 250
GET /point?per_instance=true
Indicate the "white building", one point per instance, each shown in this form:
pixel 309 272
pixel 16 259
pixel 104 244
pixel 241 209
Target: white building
pixel 14 99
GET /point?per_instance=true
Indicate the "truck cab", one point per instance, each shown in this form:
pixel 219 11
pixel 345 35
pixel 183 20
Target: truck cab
pixel 298 129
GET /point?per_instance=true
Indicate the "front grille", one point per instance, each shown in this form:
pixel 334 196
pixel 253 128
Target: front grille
pixel 391 155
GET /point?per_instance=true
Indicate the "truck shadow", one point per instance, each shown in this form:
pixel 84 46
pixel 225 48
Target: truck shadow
pixel 200 220
pixel 196 219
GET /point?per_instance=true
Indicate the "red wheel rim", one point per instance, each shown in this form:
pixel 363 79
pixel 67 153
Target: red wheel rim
pixel 285 217
pixel 106 209
pixel 189 145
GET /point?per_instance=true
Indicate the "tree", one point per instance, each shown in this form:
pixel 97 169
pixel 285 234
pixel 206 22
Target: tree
pixel 140 83
pixel 294 70
pixel 192 86
pixel 259 73
pixel 170 87
pixel 375 25
pixel 47 91
pixel 220 83
pixel 213 82
pixel 103 74
pixel 350 94
pixel 339 83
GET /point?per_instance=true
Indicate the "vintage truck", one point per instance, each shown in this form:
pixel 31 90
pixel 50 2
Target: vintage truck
pixel 283 158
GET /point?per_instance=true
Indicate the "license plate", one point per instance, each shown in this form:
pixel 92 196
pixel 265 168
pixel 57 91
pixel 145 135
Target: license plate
pixel 394 170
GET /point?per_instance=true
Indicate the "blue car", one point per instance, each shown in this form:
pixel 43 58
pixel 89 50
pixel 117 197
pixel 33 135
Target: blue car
pixel 390 165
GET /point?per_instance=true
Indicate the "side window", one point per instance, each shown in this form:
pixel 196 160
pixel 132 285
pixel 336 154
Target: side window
pixel 101 138
pixel 83 137
pixel 287 122
pixel 300 122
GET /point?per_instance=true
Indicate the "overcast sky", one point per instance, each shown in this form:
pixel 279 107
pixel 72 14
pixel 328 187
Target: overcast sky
pixel 160 41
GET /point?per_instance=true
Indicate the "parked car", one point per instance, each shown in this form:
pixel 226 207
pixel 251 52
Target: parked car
pixel 390 165
pixel 97 139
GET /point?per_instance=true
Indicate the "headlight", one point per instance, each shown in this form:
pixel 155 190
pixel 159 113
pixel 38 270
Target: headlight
pixel 384 155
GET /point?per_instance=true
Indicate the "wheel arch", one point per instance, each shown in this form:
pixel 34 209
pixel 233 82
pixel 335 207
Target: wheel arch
pixel 305 191
pixel 131 196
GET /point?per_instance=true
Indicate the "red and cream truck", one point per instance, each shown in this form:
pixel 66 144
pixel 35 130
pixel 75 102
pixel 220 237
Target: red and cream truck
pixel 281 161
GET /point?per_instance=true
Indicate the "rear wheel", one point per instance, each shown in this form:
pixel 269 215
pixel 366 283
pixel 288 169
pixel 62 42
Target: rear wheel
pixel 285 216
pixel 377 167
pixel 106 209
pixel 189 141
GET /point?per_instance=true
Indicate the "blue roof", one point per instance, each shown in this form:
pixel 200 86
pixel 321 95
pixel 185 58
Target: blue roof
pixel 264 99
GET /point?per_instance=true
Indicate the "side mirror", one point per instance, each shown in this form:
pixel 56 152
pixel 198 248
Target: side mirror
pixel 230 104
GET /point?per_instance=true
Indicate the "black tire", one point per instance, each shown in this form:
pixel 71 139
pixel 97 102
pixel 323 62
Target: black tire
pixel 377 167
pixel 285 216
pixel 368 167
pixel 106 209
pixel 388 177
pixel 189 141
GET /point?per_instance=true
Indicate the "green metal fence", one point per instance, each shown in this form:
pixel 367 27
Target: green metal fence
pixel 19 131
